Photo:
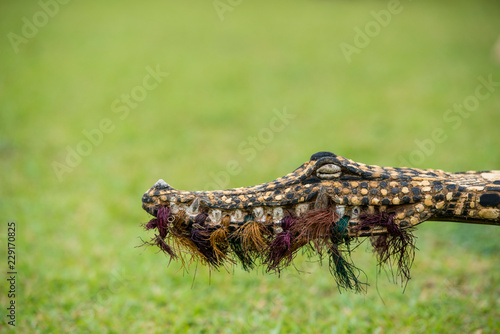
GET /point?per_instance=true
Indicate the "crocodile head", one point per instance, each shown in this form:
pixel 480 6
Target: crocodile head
pixel 354 190
pixel 322 206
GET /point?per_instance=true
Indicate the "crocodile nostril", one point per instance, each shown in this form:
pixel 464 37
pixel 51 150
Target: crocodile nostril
pixel 161 184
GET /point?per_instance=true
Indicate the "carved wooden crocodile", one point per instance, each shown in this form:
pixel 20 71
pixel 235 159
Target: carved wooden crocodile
pixel 323 205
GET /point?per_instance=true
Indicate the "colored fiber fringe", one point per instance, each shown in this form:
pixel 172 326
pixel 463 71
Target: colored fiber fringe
pixel 323 229
pixel 220 243
pixel 344 271
pixel 280 253
pixel 174 229
pixel 254 236
pixel 246 258
pixel 200 236
pixel 249 242
pixel 397 247
pixel 161 224
pixel 314 228
pixel 342 268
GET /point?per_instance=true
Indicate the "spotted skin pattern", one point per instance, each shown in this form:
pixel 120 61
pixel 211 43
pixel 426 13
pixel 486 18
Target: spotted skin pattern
pixel 353 189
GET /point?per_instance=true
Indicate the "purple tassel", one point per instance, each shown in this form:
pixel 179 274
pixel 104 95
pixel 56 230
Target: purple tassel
pixel 163 213
pixel 165 247
pixel 200 236
pixel 153 223
pixel 280 253
pixel 162 221
pixel 200 219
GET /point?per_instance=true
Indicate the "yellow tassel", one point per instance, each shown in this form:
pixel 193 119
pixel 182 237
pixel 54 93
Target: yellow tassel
pixel 253 236
pixel 220 244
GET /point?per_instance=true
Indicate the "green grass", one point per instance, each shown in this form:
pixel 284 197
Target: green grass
pixel 78 266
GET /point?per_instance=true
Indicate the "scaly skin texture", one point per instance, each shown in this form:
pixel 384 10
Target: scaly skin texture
pixel 353 189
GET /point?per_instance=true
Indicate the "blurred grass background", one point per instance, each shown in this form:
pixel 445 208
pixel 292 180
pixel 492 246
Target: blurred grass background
pixel 78 266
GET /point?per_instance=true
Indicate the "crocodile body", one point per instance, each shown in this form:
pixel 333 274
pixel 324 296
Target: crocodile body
pixel 323 205
pixel 413 195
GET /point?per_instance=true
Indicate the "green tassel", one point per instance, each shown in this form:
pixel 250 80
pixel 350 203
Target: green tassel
pixel 344 271
pixel 339 231
pixel 245 258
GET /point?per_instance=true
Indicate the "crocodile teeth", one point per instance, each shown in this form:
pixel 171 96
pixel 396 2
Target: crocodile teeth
pixel 301 208
pixel 258 213
pixel 340 210
pixel 216 215
pixel 278 213
pixel 322 199
pixel 237 216
pixel 194 207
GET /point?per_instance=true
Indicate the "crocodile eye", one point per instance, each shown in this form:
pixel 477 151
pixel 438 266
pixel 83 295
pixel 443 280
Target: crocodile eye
pixel 328 172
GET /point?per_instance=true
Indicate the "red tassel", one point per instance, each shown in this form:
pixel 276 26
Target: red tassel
pixel 397 246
